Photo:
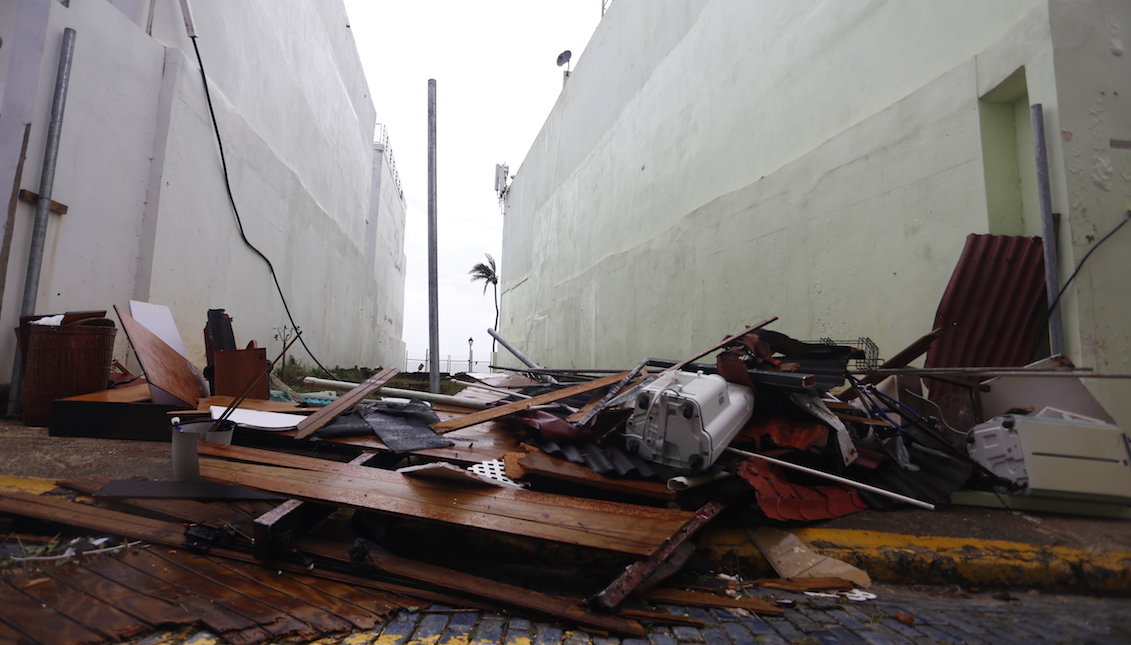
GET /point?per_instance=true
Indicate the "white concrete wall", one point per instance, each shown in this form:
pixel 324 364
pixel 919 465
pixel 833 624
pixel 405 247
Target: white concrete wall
pixel 386 255
pixel 709 164
pixel 149 216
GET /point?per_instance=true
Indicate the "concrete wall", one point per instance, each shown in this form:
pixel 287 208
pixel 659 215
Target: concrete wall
pixel 149 215
pixel 709 164
pixel 1092 134
pixel 386 255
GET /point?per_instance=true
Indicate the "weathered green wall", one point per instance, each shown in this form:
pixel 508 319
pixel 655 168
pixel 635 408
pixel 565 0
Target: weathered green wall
pixel 709 164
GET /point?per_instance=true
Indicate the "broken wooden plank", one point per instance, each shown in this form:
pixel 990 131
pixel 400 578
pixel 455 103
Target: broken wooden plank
pixel 501 592
pixel 723 343
pixel 182 510
pixel 518 406
pixel 270 619
pixel 688 598
pixel 343 403
pixel 276 530
pixel 638 571
pixel 216 617
pixel 42 626
pixel 659 617
pixel 32 197
pixel 155 611
pixel 340 600
pixel 606 525
pixel 87 610
pixel 591 409
pixel 540 464
pixel 300 616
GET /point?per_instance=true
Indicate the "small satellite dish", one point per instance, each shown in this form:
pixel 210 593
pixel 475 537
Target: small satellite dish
pixel 564 57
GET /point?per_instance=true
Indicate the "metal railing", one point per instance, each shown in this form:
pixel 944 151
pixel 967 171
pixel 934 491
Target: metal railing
pixel 387 150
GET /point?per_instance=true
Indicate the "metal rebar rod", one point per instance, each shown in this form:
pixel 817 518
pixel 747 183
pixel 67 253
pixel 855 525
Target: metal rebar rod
pixel 1048 229
pixel 836 478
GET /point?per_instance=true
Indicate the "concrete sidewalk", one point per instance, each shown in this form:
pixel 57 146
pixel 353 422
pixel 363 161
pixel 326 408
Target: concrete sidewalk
pixel 972 547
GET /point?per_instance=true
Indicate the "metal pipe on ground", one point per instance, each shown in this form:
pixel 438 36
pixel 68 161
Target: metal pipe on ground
pixel 836 478
pixel 43 205
pixel 431 397
pixel 520 356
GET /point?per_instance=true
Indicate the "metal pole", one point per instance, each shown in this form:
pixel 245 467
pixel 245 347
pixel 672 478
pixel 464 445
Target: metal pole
pixel 433 250
pixel 43 205
pixel 1048 230
pixel 836 478
pixel 446 399
pixel 520 356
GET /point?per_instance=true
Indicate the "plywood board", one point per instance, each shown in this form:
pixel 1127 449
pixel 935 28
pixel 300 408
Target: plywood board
pixel 164 368
pixel 159 320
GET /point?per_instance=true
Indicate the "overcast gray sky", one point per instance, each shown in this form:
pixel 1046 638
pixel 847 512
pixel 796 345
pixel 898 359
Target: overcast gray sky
pixel 494 63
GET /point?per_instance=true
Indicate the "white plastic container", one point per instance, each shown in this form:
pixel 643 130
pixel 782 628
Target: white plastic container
pixel 686 420
pixel 186 460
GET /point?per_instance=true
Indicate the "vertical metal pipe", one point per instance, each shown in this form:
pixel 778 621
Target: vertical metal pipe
pixel 433 252
pixel 1048 229
pixel 43 205
pixel 47 179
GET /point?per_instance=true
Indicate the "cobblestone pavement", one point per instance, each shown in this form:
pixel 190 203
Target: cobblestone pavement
pixel 896 615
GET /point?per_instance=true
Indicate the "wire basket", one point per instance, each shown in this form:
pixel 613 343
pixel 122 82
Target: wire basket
pixel 867 357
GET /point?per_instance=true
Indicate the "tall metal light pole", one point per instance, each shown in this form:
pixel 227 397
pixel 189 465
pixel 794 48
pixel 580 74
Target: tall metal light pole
pixel 433 253
pixel 470 356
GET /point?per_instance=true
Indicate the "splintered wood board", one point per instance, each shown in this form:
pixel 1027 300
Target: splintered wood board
pixel 164 368
pixel 539 463
pixel 518 406
pixel 624 528
pixel 343 403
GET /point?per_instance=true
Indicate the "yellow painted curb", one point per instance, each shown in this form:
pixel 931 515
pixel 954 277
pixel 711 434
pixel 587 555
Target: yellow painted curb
pixel 33 485
pixel 902 558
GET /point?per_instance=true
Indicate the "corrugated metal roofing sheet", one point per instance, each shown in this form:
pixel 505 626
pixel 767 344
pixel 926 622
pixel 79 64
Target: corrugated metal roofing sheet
pixel 993 308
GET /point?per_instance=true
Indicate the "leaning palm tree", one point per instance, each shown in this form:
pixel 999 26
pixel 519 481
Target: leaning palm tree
pixel 490 276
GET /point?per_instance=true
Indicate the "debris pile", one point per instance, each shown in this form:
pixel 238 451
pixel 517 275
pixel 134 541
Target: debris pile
pixel 616 473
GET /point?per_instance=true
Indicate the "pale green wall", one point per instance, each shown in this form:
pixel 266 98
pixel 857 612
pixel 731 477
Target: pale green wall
pixel 820 161
pixel 1094 185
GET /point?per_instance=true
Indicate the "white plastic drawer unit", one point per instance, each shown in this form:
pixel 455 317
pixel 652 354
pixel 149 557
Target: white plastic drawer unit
pixel 685 420
pixel 1057 457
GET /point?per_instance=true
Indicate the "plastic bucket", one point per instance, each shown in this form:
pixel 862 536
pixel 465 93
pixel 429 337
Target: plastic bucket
pixel 65 361
pixel 186 459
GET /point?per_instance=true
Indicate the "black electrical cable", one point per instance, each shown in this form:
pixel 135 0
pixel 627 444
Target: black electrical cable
pixel 236 212
pixel 1052 307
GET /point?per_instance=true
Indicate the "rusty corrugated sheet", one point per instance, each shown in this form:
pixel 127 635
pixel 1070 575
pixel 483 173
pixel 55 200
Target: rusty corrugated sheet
pixel 993 309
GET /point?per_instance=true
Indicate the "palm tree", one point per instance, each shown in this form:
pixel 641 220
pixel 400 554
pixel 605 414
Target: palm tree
pixel 490 276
